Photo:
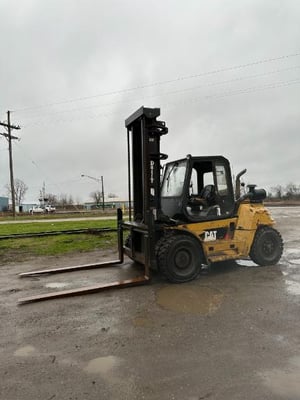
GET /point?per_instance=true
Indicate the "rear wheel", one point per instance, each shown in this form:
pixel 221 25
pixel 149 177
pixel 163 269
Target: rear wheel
pixel 267 247
pixel 179 258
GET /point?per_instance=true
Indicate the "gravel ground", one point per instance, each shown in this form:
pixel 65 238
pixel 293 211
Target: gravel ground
pixel 233 333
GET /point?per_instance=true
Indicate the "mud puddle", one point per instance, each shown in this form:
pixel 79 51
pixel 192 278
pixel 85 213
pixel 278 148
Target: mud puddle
pixel 56 285
pixel 285 383
pixel 189 299
pixel 143 322
pixel 102 365
pixel 24 351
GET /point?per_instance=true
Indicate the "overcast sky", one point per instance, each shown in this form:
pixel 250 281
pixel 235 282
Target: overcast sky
pixel 226 75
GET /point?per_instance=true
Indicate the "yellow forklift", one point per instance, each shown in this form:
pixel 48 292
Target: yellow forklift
pixel 182 216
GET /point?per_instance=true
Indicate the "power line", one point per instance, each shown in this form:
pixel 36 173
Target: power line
pixel 44 174
pixel 256 88
pixel 159 83
pixel 244 91
pixel 178 91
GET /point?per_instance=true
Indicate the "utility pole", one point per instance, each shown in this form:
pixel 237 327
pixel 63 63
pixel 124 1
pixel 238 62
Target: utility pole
pixel 102 187
pixel 9 137
pixel 101 180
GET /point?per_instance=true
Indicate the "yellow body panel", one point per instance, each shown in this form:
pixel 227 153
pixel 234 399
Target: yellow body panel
pixel 230 238
pixel 250 217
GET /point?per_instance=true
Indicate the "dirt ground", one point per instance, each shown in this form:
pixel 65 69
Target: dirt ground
pixel 234 333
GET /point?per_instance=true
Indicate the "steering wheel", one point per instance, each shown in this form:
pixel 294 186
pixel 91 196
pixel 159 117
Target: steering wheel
pixel 208 193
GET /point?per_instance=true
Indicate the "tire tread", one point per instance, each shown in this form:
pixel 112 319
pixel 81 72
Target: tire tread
pixel 255 252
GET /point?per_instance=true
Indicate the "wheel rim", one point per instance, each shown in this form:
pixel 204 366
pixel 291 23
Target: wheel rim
pixel 184 260
pixel 179 257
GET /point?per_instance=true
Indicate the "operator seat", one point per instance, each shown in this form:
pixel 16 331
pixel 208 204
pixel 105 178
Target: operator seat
pixel 208 193
pixel 205 204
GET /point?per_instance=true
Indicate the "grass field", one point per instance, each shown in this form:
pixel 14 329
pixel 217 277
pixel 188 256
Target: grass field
pixel 42 226
pixel 12 250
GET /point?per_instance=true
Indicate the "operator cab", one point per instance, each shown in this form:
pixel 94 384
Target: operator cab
pixel 197 188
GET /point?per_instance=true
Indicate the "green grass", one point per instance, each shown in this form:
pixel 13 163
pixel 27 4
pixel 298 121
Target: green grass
pixel 58 215
pixel 34 227
pixel 15 250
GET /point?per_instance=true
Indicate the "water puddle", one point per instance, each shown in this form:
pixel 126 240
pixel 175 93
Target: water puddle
pixel 246 263
pixel 293 287
pixel 102 365
pixel 56 285
pixel 295 261
pixel 285 383
pixel 280 339
pixel 25 351
pixel 190 299
pixel 292 256
pixel 292 251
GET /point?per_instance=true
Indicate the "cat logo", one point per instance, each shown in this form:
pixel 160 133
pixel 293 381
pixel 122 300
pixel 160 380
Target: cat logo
pixel 210 236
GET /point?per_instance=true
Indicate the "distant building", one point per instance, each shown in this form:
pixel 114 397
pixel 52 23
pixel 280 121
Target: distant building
pixel 111 204
pixel 27 206
pixel 3 204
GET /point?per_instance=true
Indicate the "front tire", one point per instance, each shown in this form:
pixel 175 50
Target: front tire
pixel 179 258
pixel 267 247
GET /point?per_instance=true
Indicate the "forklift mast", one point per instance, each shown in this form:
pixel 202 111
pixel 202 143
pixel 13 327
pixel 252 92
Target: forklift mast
pixel 144 156
pixel 143 144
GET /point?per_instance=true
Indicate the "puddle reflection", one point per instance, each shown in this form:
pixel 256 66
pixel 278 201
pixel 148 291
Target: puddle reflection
pixel 189 299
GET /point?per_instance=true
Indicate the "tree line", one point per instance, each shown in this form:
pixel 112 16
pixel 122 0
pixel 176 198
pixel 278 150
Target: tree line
pixel 62 200
pixel 289 192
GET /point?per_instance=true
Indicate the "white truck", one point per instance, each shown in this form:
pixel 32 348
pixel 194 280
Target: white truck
pixel 49 209
pixel 42 209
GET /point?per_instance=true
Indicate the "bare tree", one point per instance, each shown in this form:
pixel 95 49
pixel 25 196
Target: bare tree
pixel 96 196
pixel 278 191
pixel 20 190
pixel 292 191
pixel 63 200
pixel 52 198
pixel 77 200
pixel 70 200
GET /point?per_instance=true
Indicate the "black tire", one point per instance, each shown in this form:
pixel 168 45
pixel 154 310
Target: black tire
pixel 267 246
pixel 179 257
